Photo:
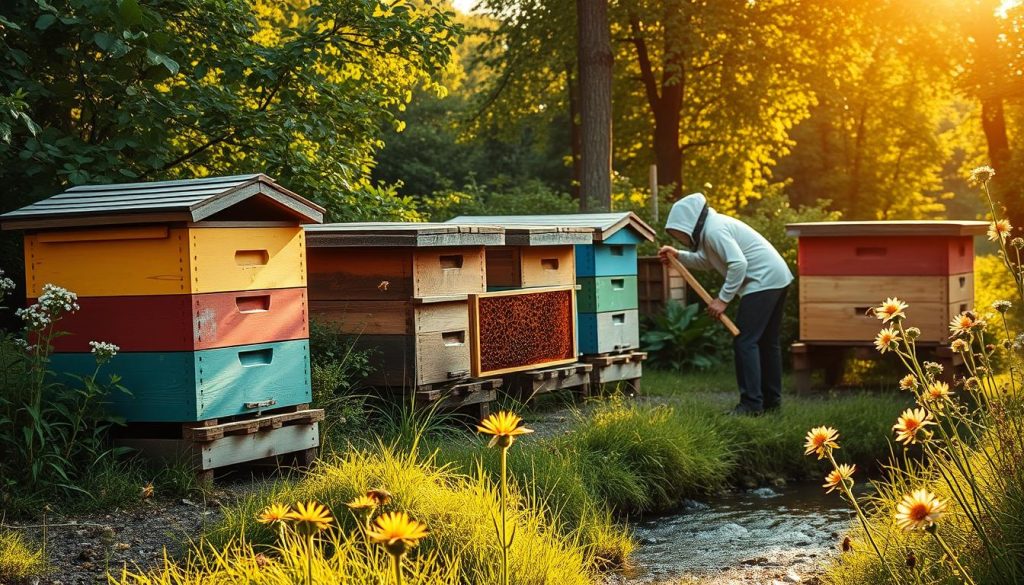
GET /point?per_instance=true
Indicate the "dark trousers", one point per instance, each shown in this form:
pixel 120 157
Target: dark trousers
pixel 758 353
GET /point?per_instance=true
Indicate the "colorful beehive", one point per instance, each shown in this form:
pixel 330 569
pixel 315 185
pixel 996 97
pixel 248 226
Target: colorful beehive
pixel 415 294
pixel 847 267
pixel 533 256
pixel 202 285
pixel 605 270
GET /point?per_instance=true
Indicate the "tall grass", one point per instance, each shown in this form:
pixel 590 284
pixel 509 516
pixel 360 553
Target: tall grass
pixel 20 560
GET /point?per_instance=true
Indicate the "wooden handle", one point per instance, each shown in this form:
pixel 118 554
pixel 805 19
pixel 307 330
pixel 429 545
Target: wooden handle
pixel 703 294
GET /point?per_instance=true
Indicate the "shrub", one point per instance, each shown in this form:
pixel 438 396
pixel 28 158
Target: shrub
pixel 683 338
pixel 52 427
pixel 337 369
pixel 19 560
pixel 526 198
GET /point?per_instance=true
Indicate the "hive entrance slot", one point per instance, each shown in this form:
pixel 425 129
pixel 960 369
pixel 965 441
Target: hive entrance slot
pixel 549 263
pixel 617 250
pixel 863 311
pixel 872 251
pixel 256 357
pixel 253 304
pixel 454 338
pixel 252 257
pixel 618 283
pixel 451 261
pixel 619 319
pixel 963 281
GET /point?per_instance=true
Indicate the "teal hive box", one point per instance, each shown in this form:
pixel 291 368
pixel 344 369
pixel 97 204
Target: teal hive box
pixel 606 272
pixel 200 385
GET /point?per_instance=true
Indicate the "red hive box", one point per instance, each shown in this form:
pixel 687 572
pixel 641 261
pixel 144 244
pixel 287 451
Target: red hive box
pixel 847 267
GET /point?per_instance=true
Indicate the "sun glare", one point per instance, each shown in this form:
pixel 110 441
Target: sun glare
pixel 1007 5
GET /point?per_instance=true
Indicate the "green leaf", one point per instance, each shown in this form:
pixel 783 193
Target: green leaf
pixel 104 40
pixel 160 59
pixel 45 20
pixel 130 12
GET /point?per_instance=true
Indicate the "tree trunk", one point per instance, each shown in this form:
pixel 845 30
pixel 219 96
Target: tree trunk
pixel 993 122
pixel 594 54
pixel 667 151
pixel 575 136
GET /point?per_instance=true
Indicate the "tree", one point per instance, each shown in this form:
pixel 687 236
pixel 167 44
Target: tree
pixel 146 90
pixel 595 104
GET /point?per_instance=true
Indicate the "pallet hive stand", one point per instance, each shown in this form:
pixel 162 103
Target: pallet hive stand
pixel 206 300
pixel 606 274
pixel 848 267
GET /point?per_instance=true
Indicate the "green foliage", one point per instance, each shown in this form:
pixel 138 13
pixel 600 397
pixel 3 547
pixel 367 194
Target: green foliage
pixel 684 338
pixel 337 369
pixel 529 197
pixel 53 428
pixel 20 560
pixel 297 90
pixel 458 509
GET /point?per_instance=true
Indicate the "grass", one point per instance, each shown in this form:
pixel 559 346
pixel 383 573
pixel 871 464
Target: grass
pixel 20 560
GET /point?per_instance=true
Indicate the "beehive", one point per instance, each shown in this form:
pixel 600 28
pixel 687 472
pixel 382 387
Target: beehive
pixel 846 268
pixel 605 271
pixel 200 282
pixel 404 290
pixel 401 291
pixel 533 256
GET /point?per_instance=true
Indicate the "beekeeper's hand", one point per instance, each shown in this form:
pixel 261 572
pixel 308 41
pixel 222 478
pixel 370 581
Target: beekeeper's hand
pixel 666 252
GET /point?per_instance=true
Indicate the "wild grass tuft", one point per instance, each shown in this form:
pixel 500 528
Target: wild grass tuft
pixel 20 560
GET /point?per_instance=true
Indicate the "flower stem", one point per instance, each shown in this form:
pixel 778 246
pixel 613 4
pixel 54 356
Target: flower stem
pixel 956 561
pixel 863 520
pixel 504 504
pixel 397 564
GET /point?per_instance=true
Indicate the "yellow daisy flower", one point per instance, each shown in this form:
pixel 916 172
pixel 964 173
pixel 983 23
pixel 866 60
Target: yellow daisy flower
pixel 505 426
pixel 274 513
pixel 919 510
pixel 998 231
pixel 311 516
pixel 910 423
pixel 362 503
pixel 820 440
pixel 908 382
pixel 887 339
pixel 962 323
pixel 938 390
pixel 396 532
pixel 892 308
pixel 838 476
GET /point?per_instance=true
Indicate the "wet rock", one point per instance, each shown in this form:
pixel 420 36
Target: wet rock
pixel 792 577
pixel 757 561
pixel 764 492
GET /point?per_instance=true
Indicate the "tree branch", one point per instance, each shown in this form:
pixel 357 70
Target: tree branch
pixel 644 60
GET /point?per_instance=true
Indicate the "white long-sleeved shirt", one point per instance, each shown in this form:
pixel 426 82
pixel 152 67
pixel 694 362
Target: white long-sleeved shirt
pixel 735 250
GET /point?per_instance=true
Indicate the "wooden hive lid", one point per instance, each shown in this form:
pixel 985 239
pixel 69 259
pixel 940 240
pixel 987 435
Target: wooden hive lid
pixel 948 228
pixel 255 198
pixel 402 234
pixel 603 225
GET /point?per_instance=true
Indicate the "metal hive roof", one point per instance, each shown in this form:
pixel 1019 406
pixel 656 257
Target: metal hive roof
pixel 183 200
pixel 603 224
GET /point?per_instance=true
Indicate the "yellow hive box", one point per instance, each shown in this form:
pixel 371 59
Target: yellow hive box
pixel 160 260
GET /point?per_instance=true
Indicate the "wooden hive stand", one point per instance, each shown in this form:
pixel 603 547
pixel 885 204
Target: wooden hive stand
pixel 848 267
pixel 606 273
pixel 214 270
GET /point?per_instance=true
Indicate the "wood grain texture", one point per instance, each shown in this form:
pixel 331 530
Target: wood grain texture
pixel 504 267
pixel 609 332
pixel 231 259
pixel 696 286
pixel 873 289
pixel 448 271
pixel 192 386
pixel 850 322
pixel 360 274
pixel 133 261
pixel 186 322
pixel 365 317
pixel 547 266
pixel 890 256
pixel 618 372
pixel 656 285
pixel 598 294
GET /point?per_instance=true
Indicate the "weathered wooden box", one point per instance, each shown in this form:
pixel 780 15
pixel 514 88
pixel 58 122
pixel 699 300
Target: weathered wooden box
pixel 657 285
pixel 200 282
pixel 400 291
pixel 847 268
pixel 605 271
pixel 534 256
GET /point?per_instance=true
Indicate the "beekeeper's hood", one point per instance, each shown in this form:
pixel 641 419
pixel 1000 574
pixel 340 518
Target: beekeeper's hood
pixel 689 215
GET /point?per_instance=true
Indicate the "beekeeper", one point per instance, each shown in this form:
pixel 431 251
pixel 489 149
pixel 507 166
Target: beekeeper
pixel 754 272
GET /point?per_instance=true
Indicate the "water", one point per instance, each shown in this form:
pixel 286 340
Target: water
pixel 756 537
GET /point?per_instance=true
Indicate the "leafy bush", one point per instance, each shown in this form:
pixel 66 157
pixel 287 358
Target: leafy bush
pixel 19 559
pixel 53 427
pixel 683 338
pixel 337 369
pixel 526 198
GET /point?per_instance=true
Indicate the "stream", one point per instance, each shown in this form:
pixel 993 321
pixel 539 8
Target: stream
pixel 760 536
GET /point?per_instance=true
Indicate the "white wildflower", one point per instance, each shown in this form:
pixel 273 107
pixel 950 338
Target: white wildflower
pixel 103 351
